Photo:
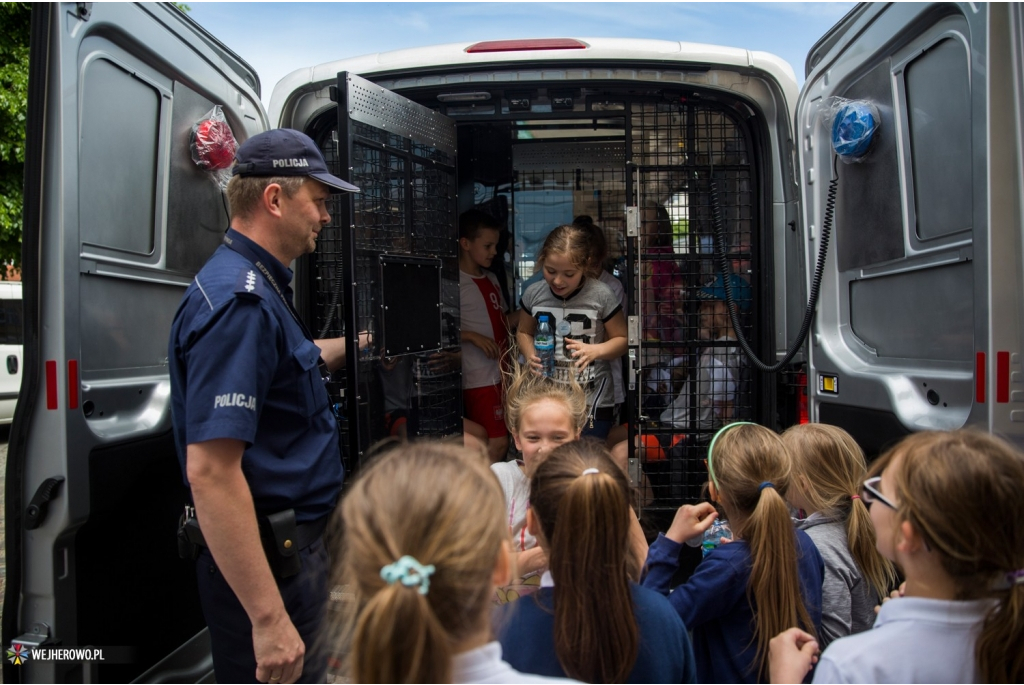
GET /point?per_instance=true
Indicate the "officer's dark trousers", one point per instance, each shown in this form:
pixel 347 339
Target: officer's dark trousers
pixel 305 598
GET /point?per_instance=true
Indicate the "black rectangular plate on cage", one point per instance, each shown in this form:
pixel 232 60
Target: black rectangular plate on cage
pixel 410 293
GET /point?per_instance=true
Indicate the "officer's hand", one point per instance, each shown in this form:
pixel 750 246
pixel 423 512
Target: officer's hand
pixel 279 651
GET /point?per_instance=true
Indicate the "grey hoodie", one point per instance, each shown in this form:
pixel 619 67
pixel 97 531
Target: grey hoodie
pixel 847 598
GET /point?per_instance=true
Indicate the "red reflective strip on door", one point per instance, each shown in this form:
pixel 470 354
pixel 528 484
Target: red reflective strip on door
pixel 72 384
pixel 1002 377
pixel 51 385
pixel 979 378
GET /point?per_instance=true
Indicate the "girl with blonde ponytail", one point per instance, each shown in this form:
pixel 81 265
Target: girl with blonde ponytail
pixel 766 580
pixel 948 509
pixel 424 544
pixel 828 470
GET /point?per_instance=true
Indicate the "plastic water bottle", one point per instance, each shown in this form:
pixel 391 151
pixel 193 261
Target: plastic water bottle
pixel 713 536
pixel 544 343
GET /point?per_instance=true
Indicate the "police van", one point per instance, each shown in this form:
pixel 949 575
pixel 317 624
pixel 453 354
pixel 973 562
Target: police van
pixel 696 161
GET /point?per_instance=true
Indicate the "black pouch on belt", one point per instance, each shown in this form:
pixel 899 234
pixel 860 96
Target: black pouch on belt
pixel 190 538
pixel 281 543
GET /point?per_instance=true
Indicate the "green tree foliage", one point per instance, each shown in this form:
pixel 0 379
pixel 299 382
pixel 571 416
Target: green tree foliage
pixel 14 33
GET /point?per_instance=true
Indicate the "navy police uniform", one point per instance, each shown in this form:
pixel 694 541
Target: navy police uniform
pixel 243 366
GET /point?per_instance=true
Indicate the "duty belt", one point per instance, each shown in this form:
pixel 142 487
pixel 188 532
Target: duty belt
pixel 281 536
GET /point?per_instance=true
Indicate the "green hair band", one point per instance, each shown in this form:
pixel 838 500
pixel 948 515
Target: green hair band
pixel 711 447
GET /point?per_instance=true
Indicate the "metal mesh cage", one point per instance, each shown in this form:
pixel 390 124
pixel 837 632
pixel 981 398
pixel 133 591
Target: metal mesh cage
pixel 695 378
pixel 543 198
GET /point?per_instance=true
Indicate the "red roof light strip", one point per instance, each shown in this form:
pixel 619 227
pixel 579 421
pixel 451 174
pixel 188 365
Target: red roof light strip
pixel 527 44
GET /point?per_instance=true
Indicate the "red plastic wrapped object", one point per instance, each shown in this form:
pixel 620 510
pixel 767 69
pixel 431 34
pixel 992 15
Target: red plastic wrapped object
pixel 213 145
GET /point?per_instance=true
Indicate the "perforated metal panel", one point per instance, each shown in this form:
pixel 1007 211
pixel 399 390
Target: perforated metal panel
pixel 383 109
pixel 402 157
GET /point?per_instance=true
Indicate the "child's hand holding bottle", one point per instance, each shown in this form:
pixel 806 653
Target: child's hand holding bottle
pixel 691 520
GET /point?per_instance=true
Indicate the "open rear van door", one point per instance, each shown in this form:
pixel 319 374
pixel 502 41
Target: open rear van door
pixel 918 324
pixel 118 219
pixel 395 247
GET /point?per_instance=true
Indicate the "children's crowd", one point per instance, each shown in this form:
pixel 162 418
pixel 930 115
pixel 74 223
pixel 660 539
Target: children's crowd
pixel 456 568
pixel 428 538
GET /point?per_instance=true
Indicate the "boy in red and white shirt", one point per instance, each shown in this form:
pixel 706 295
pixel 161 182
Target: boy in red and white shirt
pixel 484 329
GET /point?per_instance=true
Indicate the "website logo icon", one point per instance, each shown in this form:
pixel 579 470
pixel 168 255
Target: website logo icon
pixel 18 654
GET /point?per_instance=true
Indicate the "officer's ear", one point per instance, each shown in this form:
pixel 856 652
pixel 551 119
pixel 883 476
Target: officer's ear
pixel 273 194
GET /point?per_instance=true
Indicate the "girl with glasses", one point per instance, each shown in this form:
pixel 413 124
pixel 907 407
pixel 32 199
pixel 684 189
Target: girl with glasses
pixel 935 508
pixel 828 470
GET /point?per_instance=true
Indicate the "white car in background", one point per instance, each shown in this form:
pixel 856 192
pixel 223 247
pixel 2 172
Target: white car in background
pixel 11 339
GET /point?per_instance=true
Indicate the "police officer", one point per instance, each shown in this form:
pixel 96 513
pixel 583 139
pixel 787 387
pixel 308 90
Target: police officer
pixel 256 437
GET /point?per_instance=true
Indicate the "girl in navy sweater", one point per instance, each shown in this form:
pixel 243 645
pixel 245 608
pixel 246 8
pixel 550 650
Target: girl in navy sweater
pixel 745 592
pixel 589 620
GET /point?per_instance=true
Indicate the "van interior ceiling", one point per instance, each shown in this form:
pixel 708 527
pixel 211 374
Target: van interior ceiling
pixel 535 158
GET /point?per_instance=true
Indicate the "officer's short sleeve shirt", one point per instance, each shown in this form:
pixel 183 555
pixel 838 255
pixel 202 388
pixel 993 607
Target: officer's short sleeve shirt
pixel 243 367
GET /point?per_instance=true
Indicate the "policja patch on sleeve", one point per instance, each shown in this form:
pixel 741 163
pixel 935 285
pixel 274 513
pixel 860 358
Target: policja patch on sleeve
pixel 249 284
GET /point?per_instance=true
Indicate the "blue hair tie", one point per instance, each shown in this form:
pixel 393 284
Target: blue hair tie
pixel 766 484
pixel 409 573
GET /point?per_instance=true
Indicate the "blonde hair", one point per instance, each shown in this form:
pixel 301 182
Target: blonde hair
pixel 244 192
pixel 747 458
pixel 951 487
pixel 524 387
pixel 585 519
pixel 438 503
pixel 833 466
pixel 575 242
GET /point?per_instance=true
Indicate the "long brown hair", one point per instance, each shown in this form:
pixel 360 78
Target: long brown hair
pixel 438 503
pixel 585 519
pixel 751 470
pixel 833 467
pixel 952 487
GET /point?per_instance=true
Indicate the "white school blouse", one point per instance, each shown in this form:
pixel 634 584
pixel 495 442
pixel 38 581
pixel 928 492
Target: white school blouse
pixel 914 640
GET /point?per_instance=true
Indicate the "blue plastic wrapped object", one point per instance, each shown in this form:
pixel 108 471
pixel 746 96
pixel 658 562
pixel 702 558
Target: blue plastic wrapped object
pixel 853 124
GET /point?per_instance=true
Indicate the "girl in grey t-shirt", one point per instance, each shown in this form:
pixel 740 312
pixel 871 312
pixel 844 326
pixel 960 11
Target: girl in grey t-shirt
pixel 589 326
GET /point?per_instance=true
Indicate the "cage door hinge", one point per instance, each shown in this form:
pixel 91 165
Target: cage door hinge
pixel 632 222
pixel 633 466
pixel 633 330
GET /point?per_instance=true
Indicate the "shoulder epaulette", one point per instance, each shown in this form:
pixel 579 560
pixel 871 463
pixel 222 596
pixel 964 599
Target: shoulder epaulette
pixel 249 284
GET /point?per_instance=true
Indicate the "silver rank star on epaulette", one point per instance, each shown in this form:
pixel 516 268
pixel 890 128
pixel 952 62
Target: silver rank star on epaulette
pixel 249 284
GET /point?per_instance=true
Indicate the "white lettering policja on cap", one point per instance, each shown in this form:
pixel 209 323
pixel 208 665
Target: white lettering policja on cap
pixel 290 163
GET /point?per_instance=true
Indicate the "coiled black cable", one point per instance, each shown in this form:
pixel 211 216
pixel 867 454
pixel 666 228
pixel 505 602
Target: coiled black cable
pixel 812 300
